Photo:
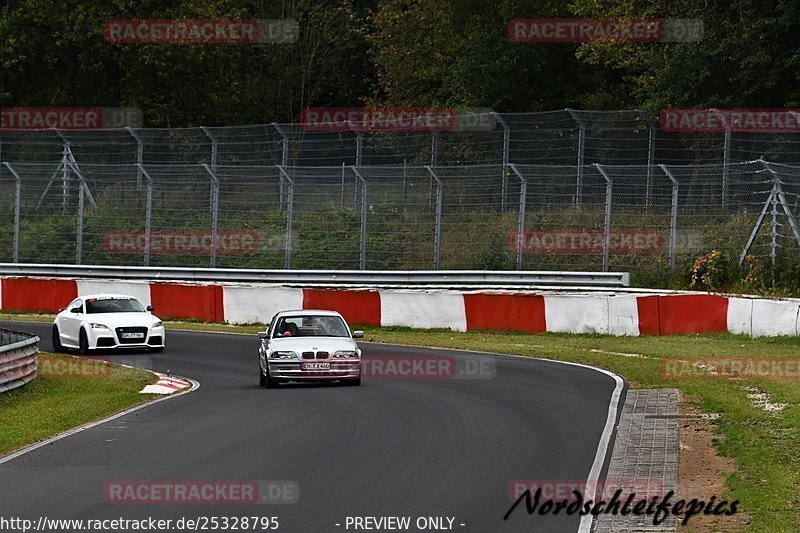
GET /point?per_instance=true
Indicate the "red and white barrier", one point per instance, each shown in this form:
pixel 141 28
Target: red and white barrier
pixel 606 313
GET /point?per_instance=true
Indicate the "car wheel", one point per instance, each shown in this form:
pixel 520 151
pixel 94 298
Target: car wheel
pixel 262 379
pixel 83 343
pixel 57 347
pixel 271 383
pixel 158 349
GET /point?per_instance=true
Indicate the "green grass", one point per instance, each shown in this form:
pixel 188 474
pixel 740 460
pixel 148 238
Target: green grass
pixel 57 401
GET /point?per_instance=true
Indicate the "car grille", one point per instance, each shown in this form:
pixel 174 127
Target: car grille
pixel 319 355
pixel 120 331
pixel 105 342
pixel 155 340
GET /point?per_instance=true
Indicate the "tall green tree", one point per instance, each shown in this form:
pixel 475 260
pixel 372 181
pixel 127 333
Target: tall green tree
pixel 53 53
pixel 749 55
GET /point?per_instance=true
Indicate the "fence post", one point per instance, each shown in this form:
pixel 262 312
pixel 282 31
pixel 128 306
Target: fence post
pixel 523 199
pixel 581 149
pixel 781 198
pixel 651 154
pixel 726 163
pixel 506 158
pixel 148 214
pixel 363 245
pixel 607 222
pixel 64 173
pixel 289 214
pixel 284 161
pixel 673 220
pixel 17 208
pixel 79 238
pixel 437 234
pixel 214 213
pixel 139 160
pixel 213 158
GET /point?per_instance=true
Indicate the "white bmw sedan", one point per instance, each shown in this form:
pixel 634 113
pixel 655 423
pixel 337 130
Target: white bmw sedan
pixel 107 321
pixel 309 345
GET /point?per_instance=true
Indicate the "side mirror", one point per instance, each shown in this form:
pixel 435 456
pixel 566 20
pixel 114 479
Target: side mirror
pixel 358 334
pixel 61 309
pixel 75 310
pixel 262 335
pixel 150 308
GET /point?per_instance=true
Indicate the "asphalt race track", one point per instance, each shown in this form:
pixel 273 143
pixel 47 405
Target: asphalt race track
pixel 392 447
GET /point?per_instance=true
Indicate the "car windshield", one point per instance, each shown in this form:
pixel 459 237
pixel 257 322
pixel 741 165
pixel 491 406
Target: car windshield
pixel 311 326
pixel 113 305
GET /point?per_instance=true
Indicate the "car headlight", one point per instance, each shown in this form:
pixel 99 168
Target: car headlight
pixel 283 355
pixel 345 353
pixel 158 324
pixel 100 326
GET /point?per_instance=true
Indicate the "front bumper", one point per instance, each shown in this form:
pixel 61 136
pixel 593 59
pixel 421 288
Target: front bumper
pixel 103 339
pixel 291 370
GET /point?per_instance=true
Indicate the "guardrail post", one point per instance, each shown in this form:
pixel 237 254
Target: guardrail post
pixel 523 199
pixel 214 213
pixel 437 234
pixel 581 149
pixel 17 208
pixel 506 157
pixel 673 220
pixel 607 222
pixel 148 215
pixel 363 246
pixel 289 214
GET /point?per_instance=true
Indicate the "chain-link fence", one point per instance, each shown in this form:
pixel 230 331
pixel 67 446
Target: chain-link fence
pixel 563 137
pixel 649 220
pixel 562 190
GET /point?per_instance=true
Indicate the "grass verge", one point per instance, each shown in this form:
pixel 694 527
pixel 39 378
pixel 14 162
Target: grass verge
pixel 67 395
pixel 764 446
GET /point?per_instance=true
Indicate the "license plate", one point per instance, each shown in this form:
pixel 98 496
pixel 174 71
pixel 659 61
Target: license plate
pixel 132 335
pixel 316 366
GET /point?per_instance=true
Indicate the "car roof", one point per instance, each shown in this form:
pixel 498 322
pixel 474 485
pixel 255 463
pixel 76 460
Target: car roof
pixel 308 312
pixel 88 296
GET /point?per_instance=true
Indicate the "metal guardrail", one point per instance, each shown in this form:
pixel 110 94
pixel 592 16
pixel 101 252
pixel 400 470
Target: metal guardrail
pixel 19 362
pixel 363 278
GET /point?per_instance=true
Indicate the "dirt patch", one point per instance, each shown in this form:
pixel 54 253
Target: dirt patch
pixel 702 473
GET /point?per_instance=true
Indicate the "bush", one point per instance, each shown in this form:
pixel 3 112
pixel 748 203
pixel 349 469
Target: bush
pixel 710 272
